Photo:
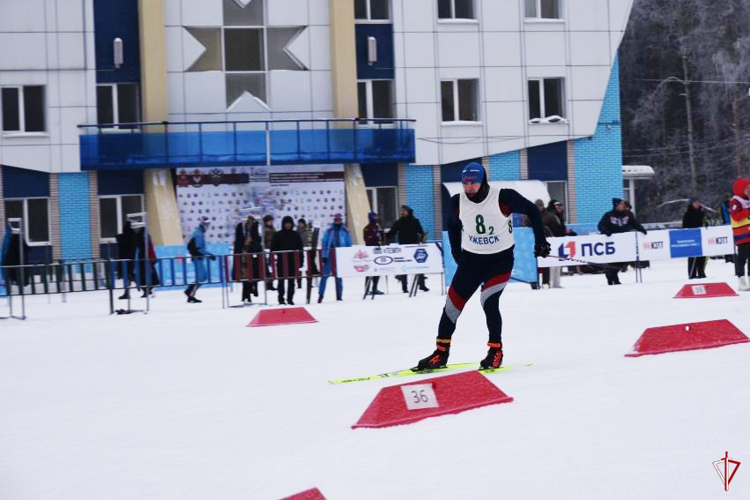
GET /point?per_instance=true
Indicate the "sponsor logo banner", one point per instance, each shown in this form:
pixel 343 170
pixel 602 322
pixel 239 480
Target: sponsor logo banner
pixel 388 260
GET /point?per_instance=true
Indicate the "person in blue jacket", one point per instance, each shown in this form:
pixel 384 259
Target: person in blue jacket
pixel 198 251
pixel 336 236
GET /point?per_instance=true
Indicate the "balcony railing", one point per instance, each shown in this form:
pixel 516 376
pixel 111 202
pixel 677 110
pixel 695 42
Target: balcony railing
pixel 245 143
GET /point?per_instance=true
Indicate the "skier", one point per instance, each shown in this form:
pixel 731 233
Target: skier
pixel 481 237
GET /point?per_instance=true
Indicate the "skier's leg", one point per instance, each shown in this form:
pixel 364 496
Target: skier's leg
pixel 465 283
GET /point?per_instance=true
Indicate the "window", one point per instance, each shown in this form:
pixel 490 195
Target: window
pixel 117 103
pixel 243 49
pixel 375 98
pixel 113 212
pixel 372 10
pixel 384 201
pixel 35 215
pixel 543 9
pixel 459 100
pixel 22 108
pixel 455 9
pixel 546 98
pixel 628 186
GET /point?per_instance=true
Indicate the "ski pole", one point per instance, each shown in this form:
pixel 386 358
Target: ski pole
pixel 609 266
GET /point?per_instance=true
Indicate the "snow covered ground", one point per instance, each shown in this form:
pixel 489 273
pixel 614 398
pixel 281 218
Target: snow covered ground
pixel 189 403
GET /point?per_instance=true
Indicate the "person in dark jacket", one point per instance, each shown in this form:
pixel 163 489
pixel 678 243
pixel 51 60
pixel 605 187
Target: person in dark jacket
pixel 373 234
pixel 618 220
pixel 145 256
pixel 15 256
pixel 546 221
pixel 126 254
pixel 289 262
pixel 407 230
pixel 268 232
pixel 247 240
pixel 336 236
pixel 554 220
pixel 694 217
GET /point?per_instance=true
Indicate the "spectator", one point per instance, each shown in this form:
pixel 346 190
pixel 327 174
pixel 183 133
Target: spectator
pixel 247 240
pixel 617 220
pixel 14 256
pixel 304 232
pixel 694 217
pixel 268 232
pixel 288 263
pixel 739 209
pixel 336 236
pixel 145 256
pixel 407 230
pixel 373 235
pixel 544 271
pixel 125 268
pixel 198 251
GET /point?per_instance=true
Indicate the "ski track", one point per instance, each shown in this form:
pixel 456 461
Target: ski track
pixel 188 403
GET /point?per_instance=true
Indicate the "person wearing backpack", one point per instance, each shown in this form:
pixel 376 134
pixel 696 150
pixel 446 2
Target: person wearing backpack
pixel 198 251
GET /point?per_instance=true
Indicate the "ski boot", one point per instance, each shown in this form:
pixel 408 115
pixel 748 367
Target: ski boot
pixel 494 358
pixel 438 359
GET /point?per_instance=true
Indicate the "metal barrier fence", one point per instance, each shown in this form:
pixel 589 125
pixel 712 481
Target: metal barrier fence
pixel 114 275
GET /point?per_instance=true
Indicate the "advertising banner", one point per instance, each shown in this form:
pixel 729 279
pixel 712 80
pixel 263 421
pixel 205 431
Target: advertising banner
pixel 228 195
pixel 654 246
pixel 388 260
pixel 685 243
pixel 596 248
pixel 717 240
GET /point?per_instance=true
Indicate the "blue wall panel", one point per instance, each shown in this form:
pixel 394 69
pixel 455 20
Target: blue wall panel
pixel 419 197
pixel 117 19
pixel 505 166
pixel 548 162
pixel 120 182
pixel 383 69
pixel 599 159
pixel 75 218
pixel 380 174
pixel 23 183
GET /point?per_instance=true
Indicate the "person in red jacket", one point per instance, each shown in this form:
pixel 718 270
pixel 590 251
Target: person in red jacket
pixel 739 212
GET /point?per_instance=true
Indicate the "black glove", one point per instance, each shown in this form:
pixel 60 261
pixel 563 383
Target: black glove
pixel 608 234
pixel 542 249
pixel 212 257
pixel 644 231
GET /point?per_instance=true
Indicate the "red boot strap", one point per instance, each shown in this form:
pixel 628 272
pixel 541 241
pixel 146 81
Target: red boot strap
pixel 441 348
pixel 499 346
